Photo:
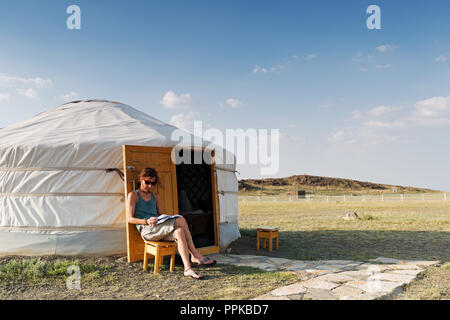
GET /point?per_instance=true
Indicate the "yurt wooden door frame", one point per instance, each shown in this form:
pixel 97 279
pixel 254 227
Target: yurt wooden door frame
pixel 135 158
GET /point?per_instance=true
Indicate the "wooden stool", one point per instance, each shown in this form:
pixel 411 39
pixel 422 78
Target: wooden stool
pixel 159 249
pixel 264 234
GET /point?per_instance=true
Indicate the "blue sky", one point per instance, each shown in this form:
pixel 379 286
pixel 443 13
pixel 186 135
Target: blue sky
pixel 349 102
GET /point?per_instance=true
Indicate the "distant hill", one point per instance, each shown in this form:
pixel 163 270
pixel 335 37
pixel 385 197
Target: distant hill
pixel 320 185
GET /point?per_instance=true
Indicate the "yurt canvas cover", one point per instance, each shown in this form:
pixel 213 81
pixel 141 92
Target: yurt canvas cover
pixel 56 196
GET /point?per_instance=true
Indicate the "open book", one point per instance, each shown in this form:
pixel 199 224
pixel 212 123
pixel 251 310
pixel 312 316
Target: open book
pixel 164 217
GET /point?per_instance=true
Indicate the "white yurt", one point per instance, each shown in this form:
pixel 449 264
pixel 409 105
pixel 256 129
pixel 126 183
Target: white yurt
pixel 61 179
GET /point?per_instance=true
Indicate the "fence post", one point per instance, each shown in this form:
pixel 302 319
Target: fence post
pixel 445 197
pixel 382 197
pixel 423 197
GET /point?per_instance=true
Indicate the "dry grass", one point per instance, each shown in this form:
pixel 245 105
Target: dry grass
pixel 114 278
pixel 411 230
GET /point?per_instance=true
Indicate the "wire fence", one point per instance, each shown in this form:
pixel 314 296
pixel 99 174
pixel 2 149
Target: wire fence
pixel 350 198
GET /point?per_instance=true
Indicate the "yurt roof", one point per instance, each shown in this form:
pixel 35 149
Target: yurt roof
pixel 88 133
pixel 86 122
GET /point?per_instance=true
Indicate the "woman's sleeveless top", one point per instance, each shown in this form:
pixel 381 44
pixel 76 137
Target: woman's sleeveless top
pixel 145 209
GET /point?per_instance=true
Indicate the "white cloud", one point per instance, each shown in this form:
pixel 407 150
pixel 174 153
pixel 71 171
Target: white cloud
pixel 383 66
pixel 441 58
pixel 337 135
pixel 4 97
pixel 277 67
pixel 369 129
pixel 172 100
pixel 184 120
pixel 311 57
pixel 385 48
pixel 381 110
pixel 28 93
pixel 258 69
pixel 69 96
pixel 356 114
pixel 433 111
pixel 14 82
pixel 233 103
pixel 384 124
pixel 375 112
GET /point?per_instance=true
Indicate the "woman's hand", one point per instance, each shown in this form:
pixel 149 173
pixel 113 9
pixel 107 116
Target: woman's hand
pixel 152 221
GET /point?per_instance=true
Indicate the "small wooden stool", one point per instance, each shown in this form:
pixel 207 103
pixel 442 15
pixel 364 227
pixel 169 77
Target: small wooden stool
pixel 265 233
pixel 157 250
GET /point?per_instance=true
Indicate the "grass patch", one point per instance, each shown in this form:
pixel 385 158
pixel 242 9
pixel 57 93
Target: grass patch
pixel 368 217
pixel 408 230
pixel 32 271
pixel 433 284
pixel 114 278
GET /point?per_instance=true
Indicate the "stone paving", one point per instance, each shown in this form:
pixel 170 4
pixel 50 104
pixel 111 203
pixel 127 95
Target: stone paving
pixel 379 278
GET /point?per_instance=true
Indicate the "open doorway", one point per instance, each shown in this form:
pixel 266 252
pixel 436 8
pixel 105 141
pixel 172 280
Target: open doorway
pixel 195 199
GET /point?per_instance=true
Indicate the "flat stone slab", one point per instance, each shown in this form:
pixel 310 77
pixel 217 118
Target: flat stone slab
pixel 376 286
pixel 319 294
pixel 363 296
pixel 316 283
pixel 334 279
pixel 295 265
pixel 419 263
pixel 394 277
pixel 340 262
pixel 346 292
pixel 410 272
pixel 220 258
pixel 278 261
pixel 295 288
pixel 329 267
pixel 271 297
pixel 358 274
pixel 375 267
pixel 385 260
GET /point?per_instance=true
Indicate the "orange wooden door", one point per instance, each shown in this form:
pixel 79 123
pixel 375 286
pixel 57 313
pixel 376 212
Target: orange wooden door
pixel 135 159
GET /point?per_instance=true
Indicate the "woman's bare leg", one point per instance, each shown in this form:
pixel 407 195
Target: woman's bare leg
pixel 184 252
pixel 182 247
pixel 181 223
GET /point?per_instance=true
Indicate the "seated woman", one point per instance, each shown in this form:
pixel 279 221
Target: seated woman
pixel 143 209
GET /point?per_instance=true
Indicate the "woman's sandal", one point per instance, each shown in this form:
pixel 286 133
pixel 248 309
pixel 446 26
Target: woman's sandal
pixel 203 262
pixel 192 274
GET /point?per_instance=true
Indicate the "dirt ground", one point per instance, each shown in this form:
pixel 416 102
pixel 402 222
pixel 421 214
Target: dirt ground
pixel 115 278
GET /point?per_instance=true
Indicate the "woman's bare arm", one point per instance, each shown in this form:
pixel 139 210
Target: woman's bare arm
pixel 131 206
pixel 158 204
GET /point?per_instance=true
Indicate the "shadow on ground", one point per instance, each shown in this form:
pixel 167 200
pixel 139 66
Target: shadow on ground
pixel 350 245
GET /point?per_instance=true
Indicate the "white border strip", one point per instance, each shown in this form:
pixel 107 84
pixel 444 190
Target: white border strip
pixel 62 194
pixel 56 169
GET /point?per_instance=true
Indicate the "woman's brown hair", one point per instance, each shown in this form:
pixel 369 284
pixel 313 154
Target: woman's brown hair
pixel 148 173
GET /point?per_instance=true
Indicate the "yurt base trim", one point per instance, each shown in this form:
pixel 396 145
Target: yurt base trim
pixel 91 243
